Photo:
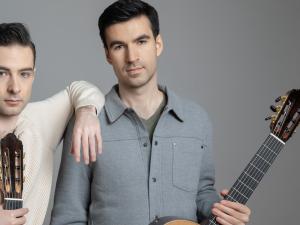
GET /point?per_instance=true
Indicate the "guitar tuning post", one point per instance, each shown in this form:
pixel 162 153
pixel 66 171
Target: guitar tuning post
pixel 272 118
pixel 275 108
pixel 281 99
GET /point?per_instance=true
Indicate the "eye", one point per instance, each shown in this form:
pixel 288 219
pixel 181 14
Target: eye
pixel 141 42
pixel 26 74
pixel 118 47
pixel 3 73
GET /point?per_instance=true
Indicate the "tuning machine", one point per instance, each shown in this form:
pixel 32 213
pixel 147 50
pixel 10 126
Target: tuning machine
pixel 281 99
pixel 272 118
pixel 275 108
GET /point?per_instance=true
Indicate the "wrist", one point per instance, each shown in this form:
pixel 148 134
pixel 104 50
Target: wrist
pixel 87 108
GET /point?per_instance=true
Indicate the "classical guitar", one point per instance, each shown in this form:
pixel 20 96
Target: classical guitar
pixel 282 126
pixel 11 171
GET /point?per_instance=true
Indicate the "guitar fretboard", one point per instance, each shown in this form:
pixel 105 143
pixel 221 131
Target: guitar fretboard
pixel 254 172
pixel 10 204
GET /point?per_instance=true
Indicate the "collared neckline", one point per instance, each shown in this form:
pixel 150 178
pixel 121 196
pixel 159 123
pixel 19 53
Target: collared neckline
pixel 115 108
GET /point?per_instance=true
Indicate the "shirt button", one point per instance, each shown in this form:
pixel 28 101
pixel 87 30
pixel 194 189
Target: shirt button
pixel 155 142
pixel 145 144
pixel 154 179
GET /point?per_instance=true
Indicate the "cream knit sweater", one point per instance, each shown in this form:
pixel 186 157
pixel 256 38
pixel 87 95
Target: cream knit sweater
pixel 40 127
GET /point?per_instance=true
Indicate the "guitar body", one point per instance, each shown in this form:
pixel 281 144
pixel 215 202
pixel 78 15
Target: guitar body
pixel 170 220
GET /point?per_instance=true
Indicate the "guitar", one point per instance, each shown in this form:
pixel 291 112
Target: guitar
pixel 11 171
pixel 282 126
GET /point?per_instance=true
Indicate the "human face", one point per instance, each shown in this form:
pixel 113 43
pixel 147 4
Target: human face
pixel 16 78
pixel 132 50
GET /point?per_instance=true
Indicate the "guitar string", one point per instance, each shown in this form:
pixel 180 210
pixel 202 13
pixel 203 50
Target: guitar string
pixel 257 168
pixel 252 176
pixel 275 143
pixel 213 220
pixel 233 195
pixel 269 160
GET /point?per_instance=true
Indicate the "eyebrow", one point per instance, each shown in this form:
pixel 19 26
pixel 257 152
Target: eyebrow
pixel 21 70
pixel 143 36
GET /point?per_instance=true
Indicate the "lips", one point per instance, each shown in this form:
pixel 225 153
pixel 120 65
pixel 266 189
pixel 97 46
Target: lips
pixel 134 70
pixel 13 102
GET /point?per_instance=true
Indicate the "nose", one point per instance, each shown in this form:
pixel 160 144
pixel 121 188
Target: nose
pixel 132 54
pixel 13 85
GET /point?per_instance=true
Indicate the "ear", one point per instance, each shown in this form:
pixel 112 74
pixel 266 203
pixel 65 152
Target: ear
pixel 159 45
pixel 108 59
pixel 34 72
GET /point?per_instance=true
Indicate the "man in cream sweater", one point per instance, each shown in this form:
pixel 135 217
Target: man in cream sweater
pixel 40 125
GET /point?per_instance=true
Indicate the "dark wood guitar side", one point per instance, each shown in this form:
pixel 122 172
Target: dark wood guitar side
pixel 282 126
pixel 11 171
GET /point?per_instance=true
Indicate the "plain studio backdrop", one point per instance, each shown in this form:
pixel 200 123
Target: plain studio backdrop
pixel 232 57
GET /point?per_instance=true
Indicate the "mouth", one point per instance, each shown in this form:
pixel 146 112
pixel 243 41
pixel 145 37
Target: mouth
pixel 134 70
pixel 13 102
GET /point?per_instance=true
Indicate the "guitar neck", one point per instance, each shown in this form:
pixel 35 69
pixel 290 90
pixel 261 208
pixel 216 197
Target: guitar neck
pixel 254 172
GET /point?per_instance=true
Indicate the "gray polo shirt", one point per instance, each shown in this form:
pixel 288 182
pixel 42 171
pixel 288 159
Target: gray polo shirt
pixel 118 189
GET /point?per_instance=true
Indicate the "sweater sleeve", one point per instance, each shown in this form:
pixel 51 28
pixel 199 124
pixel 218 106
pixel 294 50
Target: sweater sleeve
pixel 51 116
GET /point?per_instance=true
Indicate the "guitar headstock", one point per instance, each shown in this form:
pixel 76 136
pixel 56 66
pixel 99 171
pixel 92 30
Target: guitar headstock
pixel 11 167
pixel 287 117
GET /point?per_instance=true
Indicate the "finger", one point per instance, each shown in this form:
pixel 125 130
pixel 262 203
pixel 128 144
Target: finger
pixel 76 139
pixel 85 147
pixel 18 212
pixel 236 206
pixel 220 213
pixel 99 141
pixel 224 192
pixel 222 221
pixel 92 143
pixel 20 220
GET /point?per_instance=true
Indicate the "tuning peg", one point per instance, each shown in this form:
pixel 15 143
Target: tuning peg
pixel 273 118
pixel 275 108
pixel 281 98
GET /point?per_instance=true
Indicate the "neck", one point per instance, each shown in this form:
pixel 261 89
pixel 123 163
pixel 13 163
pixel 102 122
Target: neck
pixel 144 100
pixel 7 124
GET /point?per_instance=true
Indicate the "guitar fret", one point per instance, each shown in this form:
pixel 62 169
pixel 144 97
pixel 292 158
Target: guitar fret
pixel 240 193
pixel 247 186
pixel 257 168
pixel 270 149
pixel 263 159
pixel 234 200
pixel 251 177
pixel 257 161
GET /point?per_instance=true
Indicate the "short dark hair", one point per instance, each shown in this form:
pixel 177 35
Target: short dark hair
pixel 16 33
pixel 124 10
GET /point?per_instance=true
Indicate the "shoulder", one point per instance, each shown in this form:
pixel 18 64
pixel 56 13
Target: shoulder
pixel 188 109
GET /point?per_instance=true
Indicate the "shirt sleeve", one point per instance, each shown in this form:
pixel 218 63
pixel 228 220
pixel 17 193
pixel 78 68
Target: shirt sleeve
pixel 51 116
pixel 72 194
pixel 207 194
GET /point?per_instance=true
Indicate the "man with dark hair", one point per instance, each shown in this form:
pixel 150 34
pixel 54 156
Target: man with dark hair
pixel 40 126
pixel 158 158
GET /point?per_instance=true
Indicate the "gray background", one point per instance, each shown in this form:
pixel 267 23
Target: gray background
pixel 234 57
